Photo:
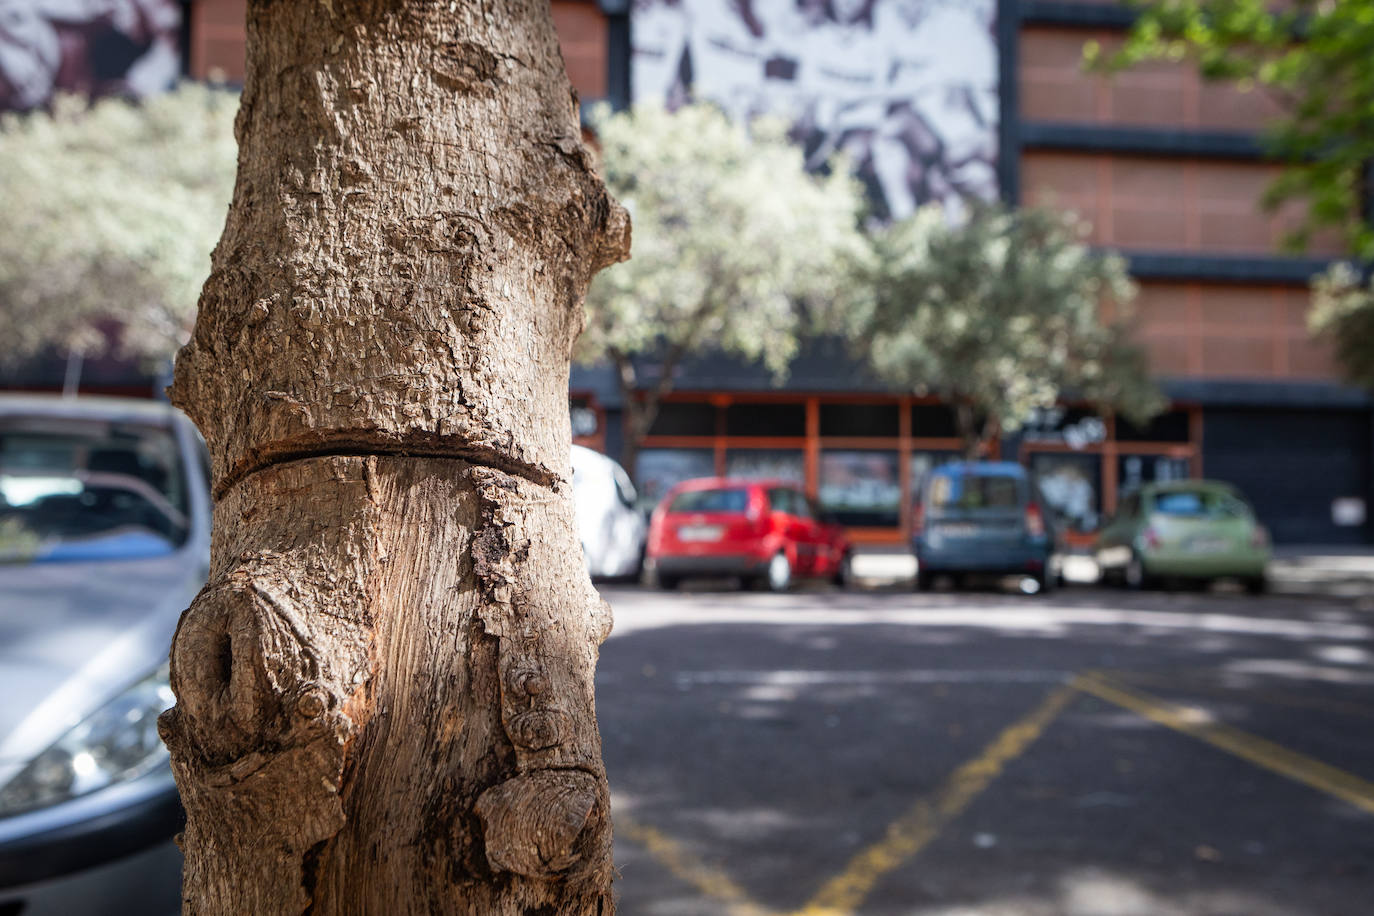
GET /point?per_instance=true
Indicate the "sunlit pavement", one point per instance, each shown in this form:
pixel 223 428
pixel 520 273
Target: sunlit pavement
pixel 1088 753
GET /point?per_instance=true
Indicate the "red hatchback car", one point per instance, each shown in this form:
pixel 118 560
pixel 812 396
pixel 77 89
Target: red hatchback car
pixel 764 531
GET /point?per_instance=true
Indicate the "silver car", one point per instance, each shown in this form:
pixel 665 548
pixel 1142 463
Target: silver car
pixel 612 530
pixel 104 539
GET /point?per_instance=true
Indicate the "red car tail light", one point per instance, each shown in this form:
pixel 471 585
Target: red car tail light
pixel 1035 521
pixel 1150 538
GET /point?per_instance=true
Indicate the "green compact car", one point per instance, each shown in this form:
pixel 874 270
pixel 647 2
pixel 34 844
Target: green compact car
pixel 1195 530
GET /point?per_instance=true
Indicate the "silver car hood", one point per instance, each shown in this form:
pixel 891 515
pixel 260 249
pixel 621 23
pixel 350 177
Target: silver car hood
pixel 73 635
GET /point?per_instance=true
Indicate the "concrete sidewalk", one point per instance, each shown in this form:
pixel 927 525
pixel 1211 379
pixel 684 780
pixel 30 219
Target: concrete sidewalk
pixel 1308 570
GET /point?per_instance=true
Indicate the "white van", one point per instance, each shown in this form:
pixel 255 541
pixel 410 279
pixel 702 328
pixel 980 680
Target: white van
pixel 611 528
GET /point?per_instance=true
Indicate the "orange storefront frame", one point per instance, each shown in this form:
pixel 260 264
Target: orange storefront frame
pixel 903 446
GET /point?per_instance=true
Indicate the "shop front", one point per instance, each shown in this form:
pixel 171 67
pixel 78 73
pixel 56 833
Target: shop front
pixel 865 457
pixel 1084 461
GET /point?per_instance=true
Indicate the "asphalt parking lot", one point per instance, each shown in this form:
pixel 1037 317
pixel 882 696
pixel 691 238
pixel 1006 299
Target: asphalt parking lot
pixel 1088 753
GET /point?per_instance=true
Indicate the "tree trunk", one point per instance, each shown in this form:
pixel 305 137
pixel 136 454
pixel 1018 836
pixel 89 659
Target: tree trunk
pixel 641 407
pixel 969 432
pixel 384 691
pixel 640 413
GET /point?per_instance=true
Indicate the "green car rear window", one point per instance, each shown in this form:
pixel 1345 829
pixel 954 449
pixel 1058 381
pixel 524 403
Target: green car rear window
pixel 1199 504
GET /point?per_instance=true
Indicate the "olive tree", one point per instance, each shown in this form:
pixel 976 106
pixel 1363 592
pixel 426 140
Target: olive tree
pixel 1001 314
pixel 111 209
pixel 1343 313
pixel 737 249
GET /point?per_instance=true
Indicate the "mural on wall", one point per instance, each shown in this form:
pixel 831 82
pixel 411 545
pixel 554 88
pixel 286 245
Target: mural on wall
pixel 907 89
pixel 92 47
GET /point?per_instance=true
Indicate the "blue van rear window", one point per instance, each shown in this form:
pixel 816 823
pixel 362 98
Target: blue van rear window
pixel 955 490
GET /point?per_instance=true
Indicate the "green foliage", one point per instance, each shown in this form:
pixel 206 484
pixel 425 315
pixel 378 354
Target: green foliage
pixel 111 211
pixel 1317 58
pixel 1343 313
pixel 731 239
pixel 1003 314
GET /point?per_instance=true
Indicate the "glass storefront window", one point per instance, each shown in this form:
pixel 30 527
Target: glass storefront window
pixel 860 420
pixel 660 468
pixel 684 418
pixel 765 420
pixel 861 488
pixel 771 463
pixel 933 420
pixel 1134 471
pixel 1173 426
pixel 1072 484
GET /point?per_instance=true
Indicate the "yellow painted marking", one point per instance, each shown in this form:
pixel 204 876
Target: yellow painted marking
pixel 684 866
pixel 1267 697
pixel 915 829
pixel 1267 755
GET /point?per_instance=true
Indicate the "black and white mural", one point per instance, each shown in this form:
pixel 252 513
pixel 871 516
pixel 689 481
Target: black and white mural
pixel 91 47
pixel 906 88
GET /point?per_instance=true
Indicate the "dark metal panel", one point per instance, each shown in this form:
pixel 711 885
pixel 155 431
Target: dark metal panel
pixel 1008 99
pixel 1077 15
pixel 1292 463
pixel 617 53
pixel 1092 138
pixel 1266 393
pixel 1161 265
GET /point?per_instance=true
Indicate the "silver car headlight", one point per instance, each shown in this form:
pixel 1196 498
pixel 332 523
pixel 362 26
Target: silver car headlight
pixel 116 743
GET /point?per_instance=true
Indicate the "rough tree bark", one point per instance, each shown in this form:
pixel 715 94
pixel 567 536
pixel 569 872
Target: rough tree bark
pixel 384 691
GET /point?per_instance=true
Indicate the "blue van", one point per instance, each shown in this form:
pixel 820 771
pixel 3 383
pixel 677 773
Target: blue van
pixel 984 518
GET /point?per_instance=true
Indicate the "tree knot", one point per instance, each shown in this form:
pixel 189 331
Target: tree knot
pixel 533 824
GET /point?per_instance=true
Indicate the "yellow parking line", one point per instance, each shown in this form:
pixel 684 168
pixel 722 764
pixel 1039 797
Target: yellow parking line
pixel 1199 724
pixel 684 866
pixel 1267 697
pixel 915 829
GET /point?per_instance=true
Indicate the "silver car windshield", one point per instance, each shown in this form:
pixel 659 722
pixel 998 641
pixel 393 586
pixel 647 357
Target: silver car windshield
pixel 88 490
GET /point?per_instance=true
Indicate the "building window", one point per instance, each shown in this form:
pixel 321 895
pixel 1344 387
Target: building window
pixel 922 463
pixel 679 418
pixel 933 421
pixel 861 488
pixel 658 469
pixel 770 463
pixel 856 420
pixel 1134 471
pixel 765 420
pixel 1172 426
pixel 1072 485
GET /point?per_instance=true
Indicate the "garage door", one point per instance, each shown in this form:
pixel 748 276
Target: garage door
pixel 1293 464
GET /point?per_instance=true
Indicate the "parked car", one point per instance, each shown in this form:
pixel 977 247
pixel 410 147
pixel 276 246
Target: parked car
pixel 766 532
pixel 612 529
pixel 1193 530
pixel 985 518
pixel 104 540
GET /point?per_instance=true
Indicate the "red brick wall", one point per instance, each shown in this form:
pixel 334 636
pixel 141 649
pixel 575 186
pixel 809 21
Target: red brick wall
pixel 1166 204
pixel 1055 88
pixel 1226 331
pixel 582 36
pixel 1172 204
pixel 218 36
pixel 217 39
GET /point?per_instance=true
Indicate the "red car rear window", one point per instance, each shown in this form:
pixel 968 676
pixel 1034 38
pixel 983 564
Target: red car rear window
pixel 732 500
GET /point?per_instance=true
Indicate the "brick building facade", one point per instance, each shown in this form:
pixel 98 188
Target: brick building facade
pixel 1169 170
